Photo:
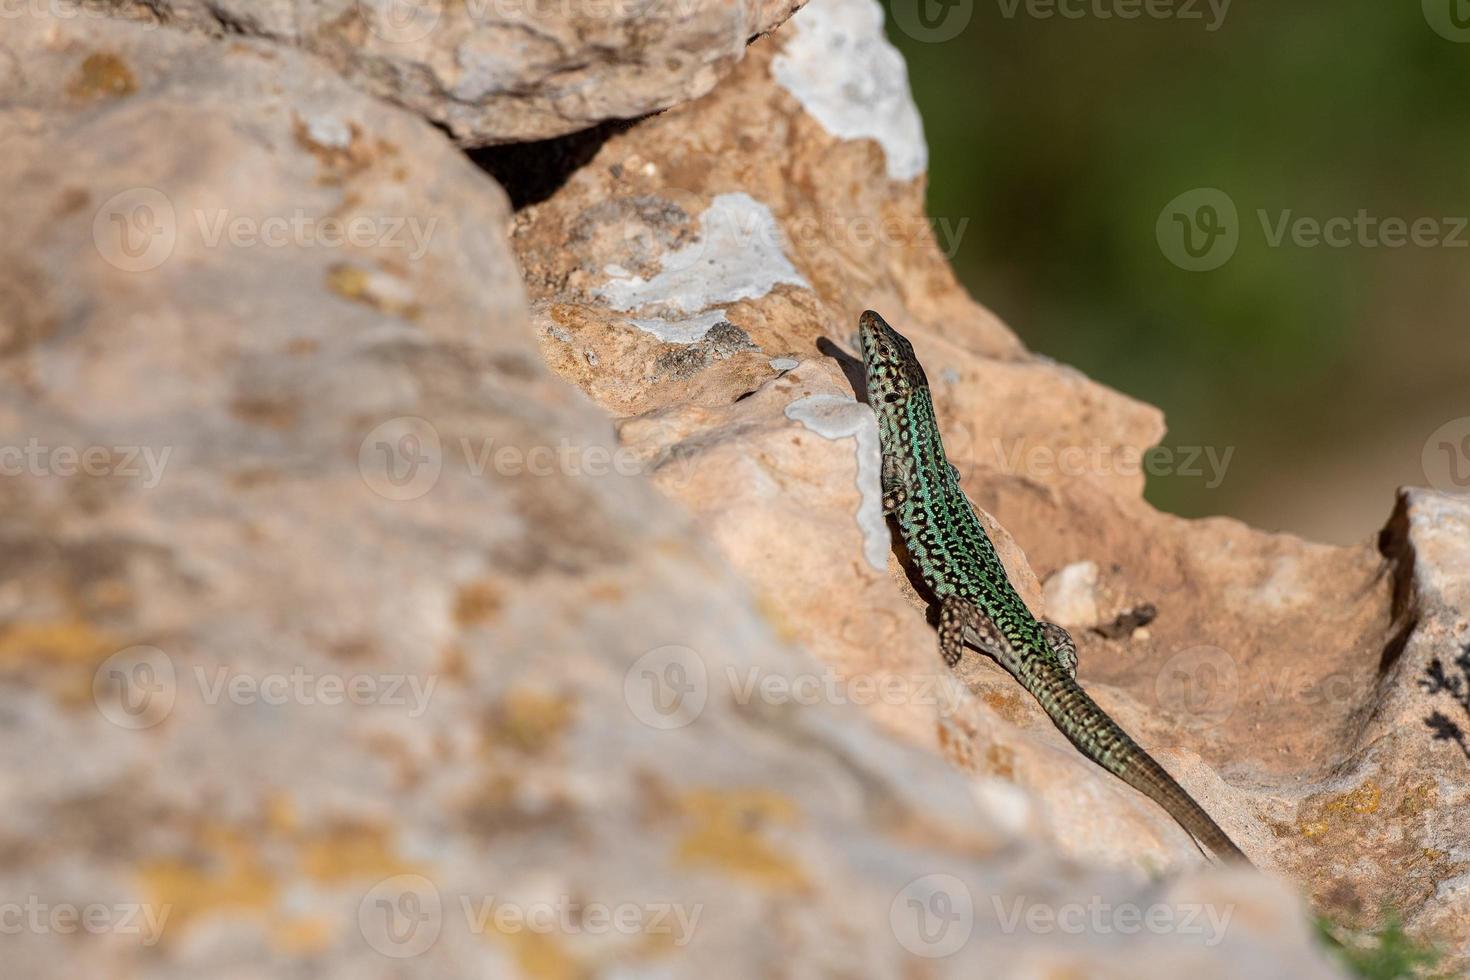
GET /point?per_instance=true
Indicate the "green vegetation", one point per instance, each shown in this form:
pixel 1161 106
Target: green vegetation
pixel 1387 953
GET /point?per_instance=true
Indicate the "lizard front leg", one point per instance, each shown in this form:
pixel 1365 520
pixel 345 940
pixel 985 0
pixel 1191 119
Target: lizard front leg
pixel 1062 645
pixel 895 484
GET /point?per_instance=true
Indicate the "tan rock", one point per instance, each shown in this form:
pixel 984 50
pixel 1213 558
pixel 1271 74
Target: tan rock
pixel 334 638
pixel 1279 679
pixel 492 71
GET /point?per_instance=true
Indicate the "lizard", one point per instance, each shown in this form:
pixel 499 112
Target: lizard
pixel 978 605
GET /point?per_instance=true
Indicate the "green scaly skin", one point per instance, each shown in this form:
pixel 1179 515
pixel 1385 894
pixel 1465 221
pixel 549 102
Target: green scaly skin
pixel 978 605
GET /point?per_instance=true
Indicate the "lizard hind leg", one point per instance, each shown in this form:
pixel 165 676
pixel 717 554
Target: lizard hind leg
pixel 1062 645
pixel 962 624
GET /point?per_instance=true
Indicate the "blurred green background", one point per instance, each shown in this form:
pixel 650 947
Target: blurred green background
pixel 1325 368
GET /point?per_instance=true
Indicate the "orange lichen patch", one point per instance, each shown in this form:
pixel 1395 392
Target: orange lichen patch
pixel 341 162
pixel 1364 799
pixel 478 602
pixel 1418 799
pixel 65 652
pixel 269 413
pixel 304 936
pixel 1325 815
pixel 1000 761
pixel 362 286
pixel 66 641
pixel 235 881
pixel 1008 706
pixel 605 591
pixel 280 815
pixel 727 836
pixel 102 75
pixel 350 851
pixel 542 956
pixel 771 611
pixel 530 721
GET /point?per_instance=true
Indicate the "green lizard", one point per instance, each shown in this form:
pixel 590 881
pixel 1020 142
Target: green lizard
pixel 978 606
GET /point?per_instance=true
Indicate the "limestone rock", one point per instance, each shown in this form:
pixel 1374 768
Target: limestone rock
pixel 339 637
pixel 493 72
pixel 1279 678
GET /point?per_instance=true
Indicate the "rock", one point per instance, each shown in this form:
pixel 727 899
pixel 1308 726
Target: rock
pixel 1270 680
pixel 1071 595
pixel 498 72
pixel 338 636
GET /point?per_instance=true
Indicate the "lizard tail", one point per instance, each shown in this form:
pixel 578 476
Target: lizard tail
pixel 1104 741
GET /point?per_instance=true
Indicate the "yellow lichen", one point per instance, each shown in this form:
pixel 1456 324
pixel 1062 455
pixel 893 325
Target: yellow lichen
pixel 1364 799
pixel 477 602
pixel 102 75
pixel 542 956
pixel 727 836
pixel 350 851
pixel 232 879
pixel 530 721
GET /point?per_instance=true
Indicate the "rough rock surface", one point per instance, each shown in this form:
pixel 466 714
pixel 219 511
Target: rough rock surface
pixel 1280 680
pixel 494 71
pixel 337 636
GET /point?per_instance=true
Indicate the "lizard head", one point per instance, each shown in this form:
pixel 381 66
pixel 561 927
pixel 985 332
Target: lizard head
pixel 893 371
